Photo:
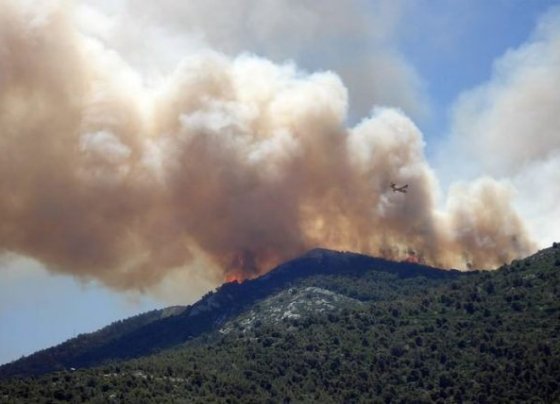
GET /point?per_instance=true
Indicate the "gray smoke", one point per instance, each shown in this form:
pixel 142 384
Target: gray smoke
pixel 510 127
pixel 237 162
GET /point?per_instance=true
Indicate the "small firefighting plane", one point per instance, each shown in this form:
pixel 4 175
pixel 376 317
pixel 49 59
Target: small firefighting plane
pixel 402 189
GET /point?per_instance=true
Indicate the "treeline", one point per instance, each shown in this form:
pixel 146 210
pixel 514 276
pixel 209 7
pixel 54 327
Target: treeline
pixel 484 337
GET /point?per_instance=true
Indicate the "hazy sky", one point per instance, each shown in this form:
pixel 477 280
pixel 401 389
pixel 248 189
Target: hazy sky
pixel 479 79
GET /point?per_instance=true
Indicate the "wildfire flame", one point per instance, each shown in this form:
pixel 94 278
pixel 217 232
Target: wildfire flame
pixel 232 278
pixel 412 258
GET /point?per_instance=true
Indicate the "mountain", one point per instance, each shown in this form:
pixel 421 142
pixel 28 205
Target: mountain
pixel 161 329
pixel 326 327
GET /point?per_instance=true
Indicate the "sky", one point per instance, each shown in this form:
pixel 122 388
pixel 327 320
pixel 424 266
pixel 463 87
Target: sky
pixel 129 128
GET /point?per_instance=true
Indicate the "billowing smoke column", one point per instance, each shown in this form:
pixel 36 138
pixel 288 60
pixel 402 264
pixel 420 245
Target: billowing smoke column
pixel 510 126
pixel 240 161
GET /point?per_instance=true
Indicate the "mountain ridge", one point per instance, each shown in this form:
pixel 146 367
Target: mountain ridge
pixel 369 335
pixel 154 331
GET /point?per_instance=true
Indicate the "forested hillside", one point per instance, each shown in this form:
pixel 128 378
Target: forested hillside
pixel 367 335
pixel 163 329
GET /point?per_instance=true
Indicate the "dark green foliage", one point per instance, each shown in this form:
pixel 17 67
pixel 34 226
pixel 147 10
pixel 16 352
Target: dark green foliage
pixel 480 337
pixel 163 329
pixel 82 350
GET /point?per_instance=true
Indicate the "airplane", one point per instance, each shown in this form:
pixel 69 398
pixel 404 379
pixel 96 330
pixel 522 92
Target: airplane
pixel 402 189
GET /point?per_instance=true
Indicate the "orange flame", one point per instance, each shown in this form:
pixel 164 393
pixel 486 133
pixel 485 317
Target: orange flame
pixel 412 258
pixel 232 278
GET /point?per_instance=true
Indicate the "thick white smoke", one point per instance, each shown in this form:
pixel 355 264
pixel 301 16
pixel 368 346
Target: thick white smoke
pixel 227 163
pixel 510 127
pixel 155 36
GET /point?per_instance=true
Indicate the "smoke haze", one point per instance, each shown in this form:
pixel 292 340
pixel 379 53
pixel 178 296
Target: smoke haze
pixel 231 163
pixel 510 127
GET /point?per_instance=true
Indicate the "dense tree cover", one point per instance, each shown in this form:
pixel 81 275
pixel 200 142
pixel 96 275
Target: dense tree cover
pixel 82 349
pixel 163 329
pixel 480 337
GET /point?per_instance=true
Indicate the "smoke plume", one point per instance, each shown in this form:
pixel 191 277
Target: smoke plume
pixel 509 127
pixel 237 162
